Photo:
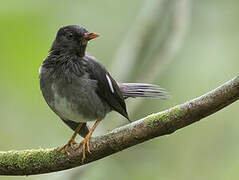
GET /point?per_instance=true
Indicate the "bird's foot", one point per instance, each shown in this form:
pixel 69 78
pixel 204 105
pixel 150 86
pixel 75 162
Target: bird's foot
pixel 85 144
pixel 70 143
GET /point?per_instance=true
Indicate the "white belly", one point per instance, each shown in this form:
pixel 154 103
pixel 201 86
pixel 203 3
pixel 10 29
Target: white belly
pixel 67 110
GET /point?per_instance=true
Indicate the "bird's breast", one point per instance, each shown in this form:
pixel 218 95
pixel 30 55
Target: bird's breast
pixel 68 109
pixel 76 100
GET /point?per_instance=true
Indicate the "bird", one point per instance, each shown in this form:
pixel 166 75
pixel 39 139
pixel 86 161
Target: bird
pixel 79 89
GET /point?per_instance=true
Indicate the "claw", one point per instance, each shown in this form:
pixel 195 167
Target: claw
pixel 88 146
pixel 60 149
pixel 71 144
pixel 85 144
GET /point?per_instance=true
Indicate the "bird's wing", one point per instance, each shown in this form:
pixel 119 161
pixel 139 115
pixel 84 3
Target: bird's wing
pixel 107 88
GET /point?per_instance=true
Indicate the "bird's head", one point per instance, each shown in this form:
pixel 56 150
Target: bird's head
pixel 72 39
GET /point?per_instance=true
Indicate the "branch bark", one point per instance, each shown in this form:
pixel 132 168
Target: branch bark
pixel 29 162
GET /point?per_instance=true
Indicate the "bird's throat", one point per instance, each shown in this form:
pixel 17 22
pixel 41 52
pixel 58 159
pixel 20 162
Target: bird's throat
pixel 79 50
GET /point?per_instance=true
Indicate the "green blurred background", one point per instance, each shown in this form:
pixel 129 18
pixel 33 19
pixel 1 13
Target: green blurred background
pixel 206 57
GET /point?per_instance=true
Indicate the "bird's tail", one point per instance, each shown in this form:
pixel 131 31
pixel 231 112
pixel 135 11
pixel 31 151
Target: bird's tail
pixel 142 90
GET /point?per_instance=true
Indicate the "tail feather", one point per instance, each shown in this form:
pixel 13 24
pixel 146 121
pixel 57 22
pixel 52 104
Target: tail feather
pixel 142 90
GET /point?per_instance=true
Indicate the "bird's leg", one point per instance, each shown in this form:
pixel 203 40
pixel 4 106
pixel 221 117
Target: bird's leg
pixel 72 141
pixel 86 142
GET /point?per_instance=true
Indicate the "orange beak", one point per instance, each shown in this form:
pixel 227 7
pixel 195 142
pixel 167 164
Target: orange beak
pixel 88 36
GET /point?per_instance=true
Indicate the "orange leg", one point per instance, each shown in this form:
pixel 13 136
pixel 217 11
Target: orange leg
pixel 72 141
pixel 86 141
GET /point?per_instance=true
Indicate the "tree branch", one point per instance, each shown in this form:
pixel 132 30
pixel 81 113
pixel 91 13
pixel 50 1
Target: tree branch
pixel 41 161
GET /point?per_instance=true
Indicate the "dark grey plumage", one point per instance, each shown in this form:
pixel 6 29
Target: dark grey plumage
pixel 78 88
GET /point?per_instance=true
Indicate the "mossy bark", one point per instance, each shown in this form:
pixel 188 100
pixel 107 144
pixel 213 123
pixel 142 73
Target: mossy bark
pixel 41 161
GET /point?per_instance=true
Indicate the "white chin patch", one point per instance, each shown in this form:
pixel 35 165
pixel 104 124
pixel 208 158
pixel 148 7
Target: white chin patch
pixel 110 83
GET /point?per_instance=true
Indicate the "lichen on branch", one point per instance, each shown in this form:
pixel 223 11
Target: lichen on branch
pixel 39 161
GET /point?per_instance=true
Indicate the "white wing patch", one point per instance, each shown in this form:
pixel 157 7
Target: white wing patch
pixel 110 83
pixel 40 70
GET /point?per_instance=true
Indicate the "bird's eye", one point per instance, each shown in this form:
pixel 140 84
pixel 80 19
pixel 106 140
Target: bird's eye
pixel 69 36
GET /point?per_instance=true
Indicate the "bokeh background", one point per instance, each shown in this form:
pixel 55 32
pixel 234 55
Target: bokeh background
pixel 188 47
